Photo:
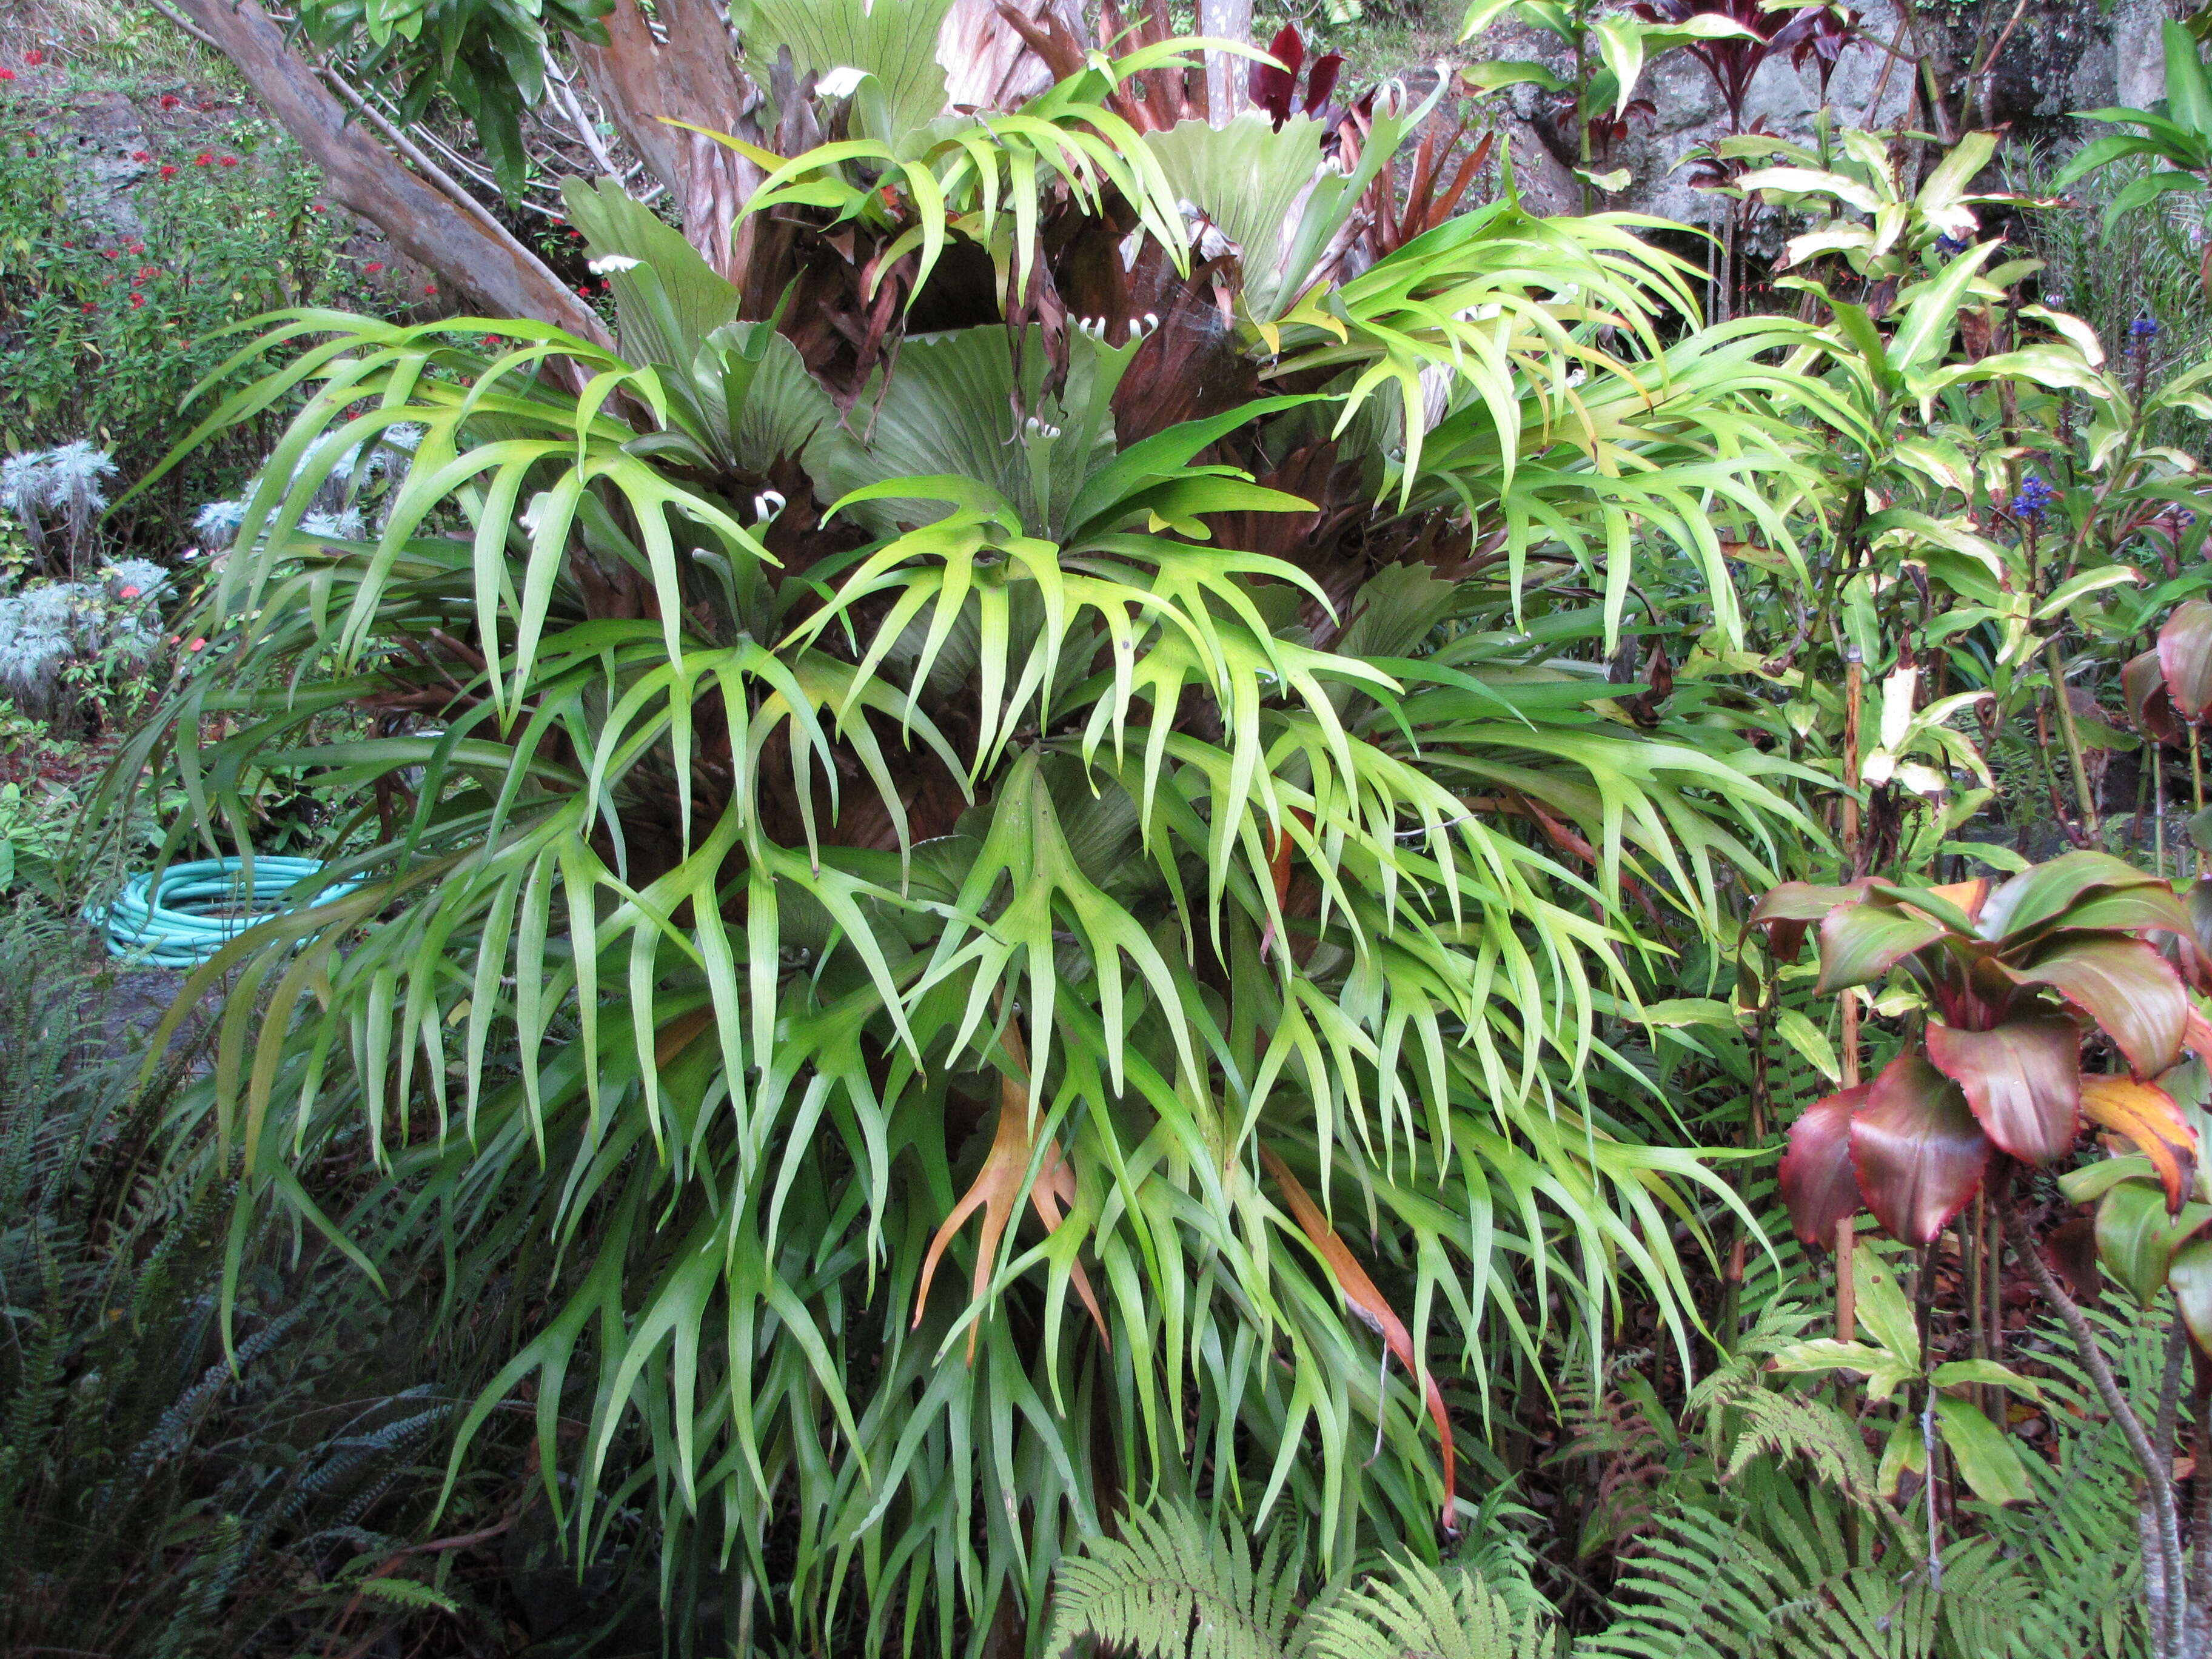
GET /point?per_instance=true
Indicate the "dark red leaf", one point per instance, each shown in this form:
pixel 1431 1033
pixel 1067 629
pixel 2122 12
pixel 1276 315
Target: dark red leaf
pixel 1321 80
pixel 1918 1152
pixel 1273 88
pixel 1818 1182
pixel 2124 985
pixel 2072 1251
pixel 2022 1081
pixel 2142 682
pixel 2185 658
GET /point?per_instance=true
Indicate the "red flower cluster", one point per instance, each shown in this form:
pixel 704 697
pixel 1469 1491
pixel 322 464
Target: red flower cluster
pixel 430 287
pixel 170 100
pixel 136 299
pixel 7 74
pixel 140 156
pixel 230 161
pixel 34 57
pixel 373 267
pixel 167 171
pixel 203 160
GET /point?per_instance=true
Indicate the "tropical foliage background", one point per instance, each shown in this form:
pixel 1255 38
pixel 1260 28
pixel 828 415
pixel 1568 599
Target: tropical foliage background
pixel 1066 878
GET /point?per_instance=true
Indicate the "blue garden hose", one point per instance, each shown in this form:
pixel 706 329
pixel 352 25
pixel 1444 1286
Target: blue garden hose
pixel 166 922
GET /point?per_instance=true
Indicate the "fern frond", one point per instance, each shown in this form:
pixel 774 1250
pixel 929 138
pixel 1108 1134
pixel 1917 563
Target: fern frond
pixel 1170 1589
pixel 1790 1426
pixel 1413 1608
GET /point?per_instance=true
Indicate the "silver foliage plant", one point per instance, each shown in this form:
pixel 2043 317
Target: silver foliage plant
pixel 57 494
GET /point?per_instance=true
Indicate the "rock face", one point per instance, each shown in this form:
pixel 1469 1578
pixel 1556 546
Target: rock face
pixel 2063 57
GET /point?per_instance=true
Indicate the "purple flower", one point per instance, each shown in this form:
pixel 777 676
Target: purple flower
pixel 1950 245
pixel 2034 497
pixel 2143 328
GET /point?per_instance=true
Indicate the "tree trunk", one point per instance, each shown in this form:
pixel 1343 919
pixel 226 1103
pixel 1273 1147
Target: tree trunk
pixel 693 76
pixel 425 216
pixel 1225 19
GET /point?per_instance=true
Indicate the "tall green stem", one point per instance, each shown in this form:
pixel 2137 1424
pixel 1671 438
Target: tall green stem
pixel 2085 802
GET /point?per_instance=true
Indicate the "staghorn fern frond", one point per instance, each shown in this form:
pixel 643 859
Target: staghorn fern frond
pixel 808 801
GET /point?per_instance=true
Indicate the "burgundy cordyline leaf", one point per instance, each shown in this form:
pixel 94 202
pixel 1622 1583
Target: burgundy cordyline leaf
pixel 2148 1117
pixel 2185 658
pixel 1801 901
pixel 1863 942
pixel 2042 896
pixel 1918 1152
pixel 2142 682
pixel 2022 1081
pixel 1818 1182
pixel 2125 986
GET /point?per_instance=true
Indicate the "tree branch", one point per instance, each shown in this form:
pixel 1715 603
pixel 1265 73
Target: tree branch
pixel 424 213
pixel 2166 1523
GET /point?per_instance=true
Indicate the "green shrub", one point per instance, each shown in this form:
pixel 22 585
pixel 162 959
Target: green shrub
pixel 103 332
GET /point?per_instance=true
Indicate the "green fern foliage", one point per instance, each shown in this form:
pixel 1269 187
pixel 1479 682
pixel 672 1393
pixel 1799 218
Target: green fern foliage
pixel 1175 1589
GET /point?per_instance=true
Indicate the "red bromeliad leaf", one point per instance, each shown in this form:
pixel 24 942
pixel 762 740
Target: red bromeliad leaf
pixel 1367 1304
pixel 1272 88
pixel 2147 1115
pixel 2143 682
pixel 2185 658
pixel 1818 1182
pixel 2022 1081
pixel 1863 942
pixel 2125 986
pixel 2041 896
pixel 1918 1152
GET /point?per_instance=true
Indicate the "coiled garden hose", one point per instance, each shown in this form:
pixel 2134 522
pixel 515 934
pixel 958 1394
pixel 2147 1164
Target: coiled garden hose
pixel 191 911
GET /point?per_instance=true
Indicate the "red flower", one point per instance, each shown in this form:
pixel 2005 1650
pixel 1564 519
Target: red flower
pixel 314 207
pixel 196 644
pixel 430 287
pixel 585 292
pixel 491 340
pixel 136 299
pixel 146 272
pixel 68 244
pixel 373 266
pixel 108 253
pixel 7 74
pixel 88 307
pixel 202 160
pixel 170 100
pixel 168 172
pixel 127 593
pixel 34 57
pixel 140 156
pixel 230 161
